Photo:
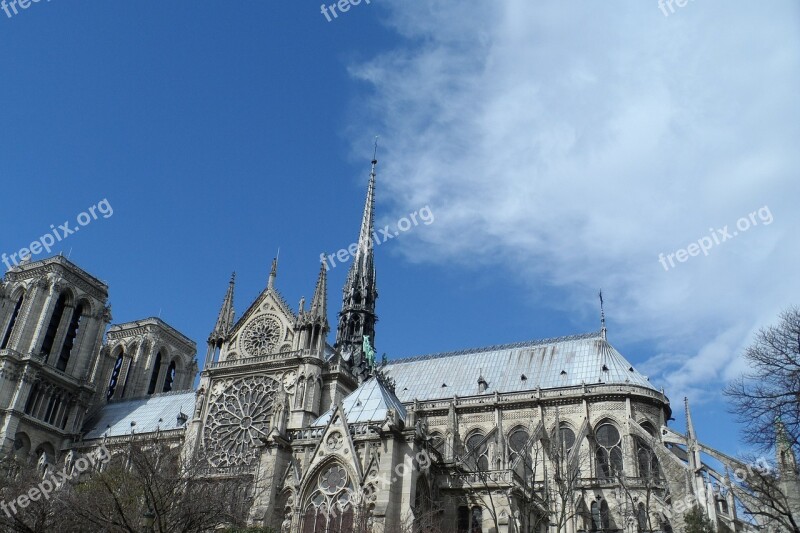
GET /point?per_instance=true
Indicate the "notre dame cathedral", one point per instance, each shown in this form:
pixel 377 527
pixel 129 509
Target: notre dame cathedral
pixel 548 436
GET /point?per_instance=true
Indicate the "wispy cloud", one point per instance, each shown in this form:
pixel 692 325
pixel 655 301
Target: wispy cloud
pixel 577 141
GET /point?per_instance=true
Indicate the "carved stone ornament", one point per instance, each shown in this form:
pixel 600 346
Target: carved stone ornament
pixel 261 336
pixel 334 441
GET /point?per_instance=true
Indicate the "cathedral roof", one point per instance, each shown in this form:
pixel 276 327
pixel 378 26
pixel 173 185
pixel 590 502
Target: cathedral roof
pixel 157 412
pixel 546 364
pixel 370 402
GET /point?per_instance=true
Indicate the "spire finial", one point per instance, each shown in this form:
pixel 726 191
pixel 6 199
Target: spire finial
pixel 273 273
pixel 602 316
pixel 690 434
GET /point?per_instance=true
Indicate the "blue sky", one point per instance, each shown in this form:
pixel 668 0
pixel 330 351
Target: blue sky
pixel 560 147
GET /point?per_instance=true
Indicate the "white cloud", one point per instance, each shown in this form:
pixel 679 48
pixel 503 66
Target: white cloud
pixel 577 141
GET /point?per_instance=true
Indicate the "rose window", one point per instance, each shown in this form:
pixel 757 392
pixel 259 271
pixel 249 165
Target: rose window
pixel 261 336
pixel 237 419
pixel 334 441
pixel 333 480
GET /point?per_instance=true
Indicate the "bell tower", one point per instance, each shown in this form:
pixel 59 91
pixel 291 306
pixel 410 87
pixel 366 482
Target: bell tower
pixel 52 318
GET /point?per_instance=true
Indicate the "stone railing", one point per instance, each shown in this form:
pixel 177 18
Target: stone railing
pixel 543 394
pixel 483 479
pixel 136 437
pixel 630 482
pixel 306 434
pixel 227 471
pixel 244 361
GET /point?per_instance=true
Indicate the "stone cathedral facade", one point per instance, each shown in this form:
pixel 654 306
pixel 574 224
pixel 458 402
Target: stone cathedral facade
pixel 555 435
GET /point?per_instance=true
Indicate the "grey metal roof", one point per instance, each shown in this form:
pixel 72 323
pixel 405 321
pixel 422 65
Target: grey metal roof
pixel 159 411
pixel 549 363
pixel 368 403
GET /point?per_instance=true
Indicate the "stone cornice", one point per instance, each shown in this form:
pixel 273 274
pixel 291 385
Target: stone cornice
pixel 66 269
pixel 154 326
pixel 544 397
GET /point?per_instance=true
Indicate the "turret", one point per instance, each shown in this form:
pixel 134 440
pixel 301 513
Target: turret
pixel 224 323
pixel 312 325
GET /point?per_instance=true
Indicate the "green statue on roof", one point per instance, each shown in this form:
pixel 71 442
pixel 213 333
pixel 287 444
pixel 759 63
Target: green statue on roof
pixel 369 352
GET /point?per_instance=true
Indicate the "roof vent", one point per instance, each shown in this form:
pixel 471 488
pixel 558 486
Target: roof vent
pixel 523 377
pixel 444 385
pixel 482 384
pixel 605 368
pixel 563 372
pixel 630 369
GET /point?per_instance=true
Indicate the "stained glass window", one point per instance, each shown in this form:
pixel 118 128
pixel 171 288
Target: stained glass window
pixel 329 509
pixel 609 451
pixel 477 452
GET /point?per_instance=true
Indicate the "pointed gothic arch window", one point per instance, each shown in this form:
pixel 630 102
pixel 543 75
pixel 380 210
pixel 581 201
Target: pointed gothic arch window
pixel 169 379
pixel 596 522
pixel 647 461
pixel 469 520
pixel 609 451
pixel 437 442
pixel 520 447
pixel 600 516
pixel 55 321
pixel 69 340
pixel 112 383
pixel 329 506
pixel 33 396
pixel 641 518
pixel 12 322
pixel 567 437
pixel 154 376
pixel 477 452
pixel 422 505
pixel 129 371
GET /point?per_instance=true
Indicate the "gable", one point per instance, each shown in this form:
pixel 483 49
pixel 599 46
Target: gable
pixel 265 328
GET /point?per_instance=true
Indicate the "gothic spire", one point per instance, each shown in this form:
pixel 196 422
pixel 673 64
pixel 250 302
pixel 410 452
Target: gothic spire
pixel 226 313
pixel 357 317
pixel 223 326
pixel 319 306
pixel 602 316
pixel 690 434
pixel 363 262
